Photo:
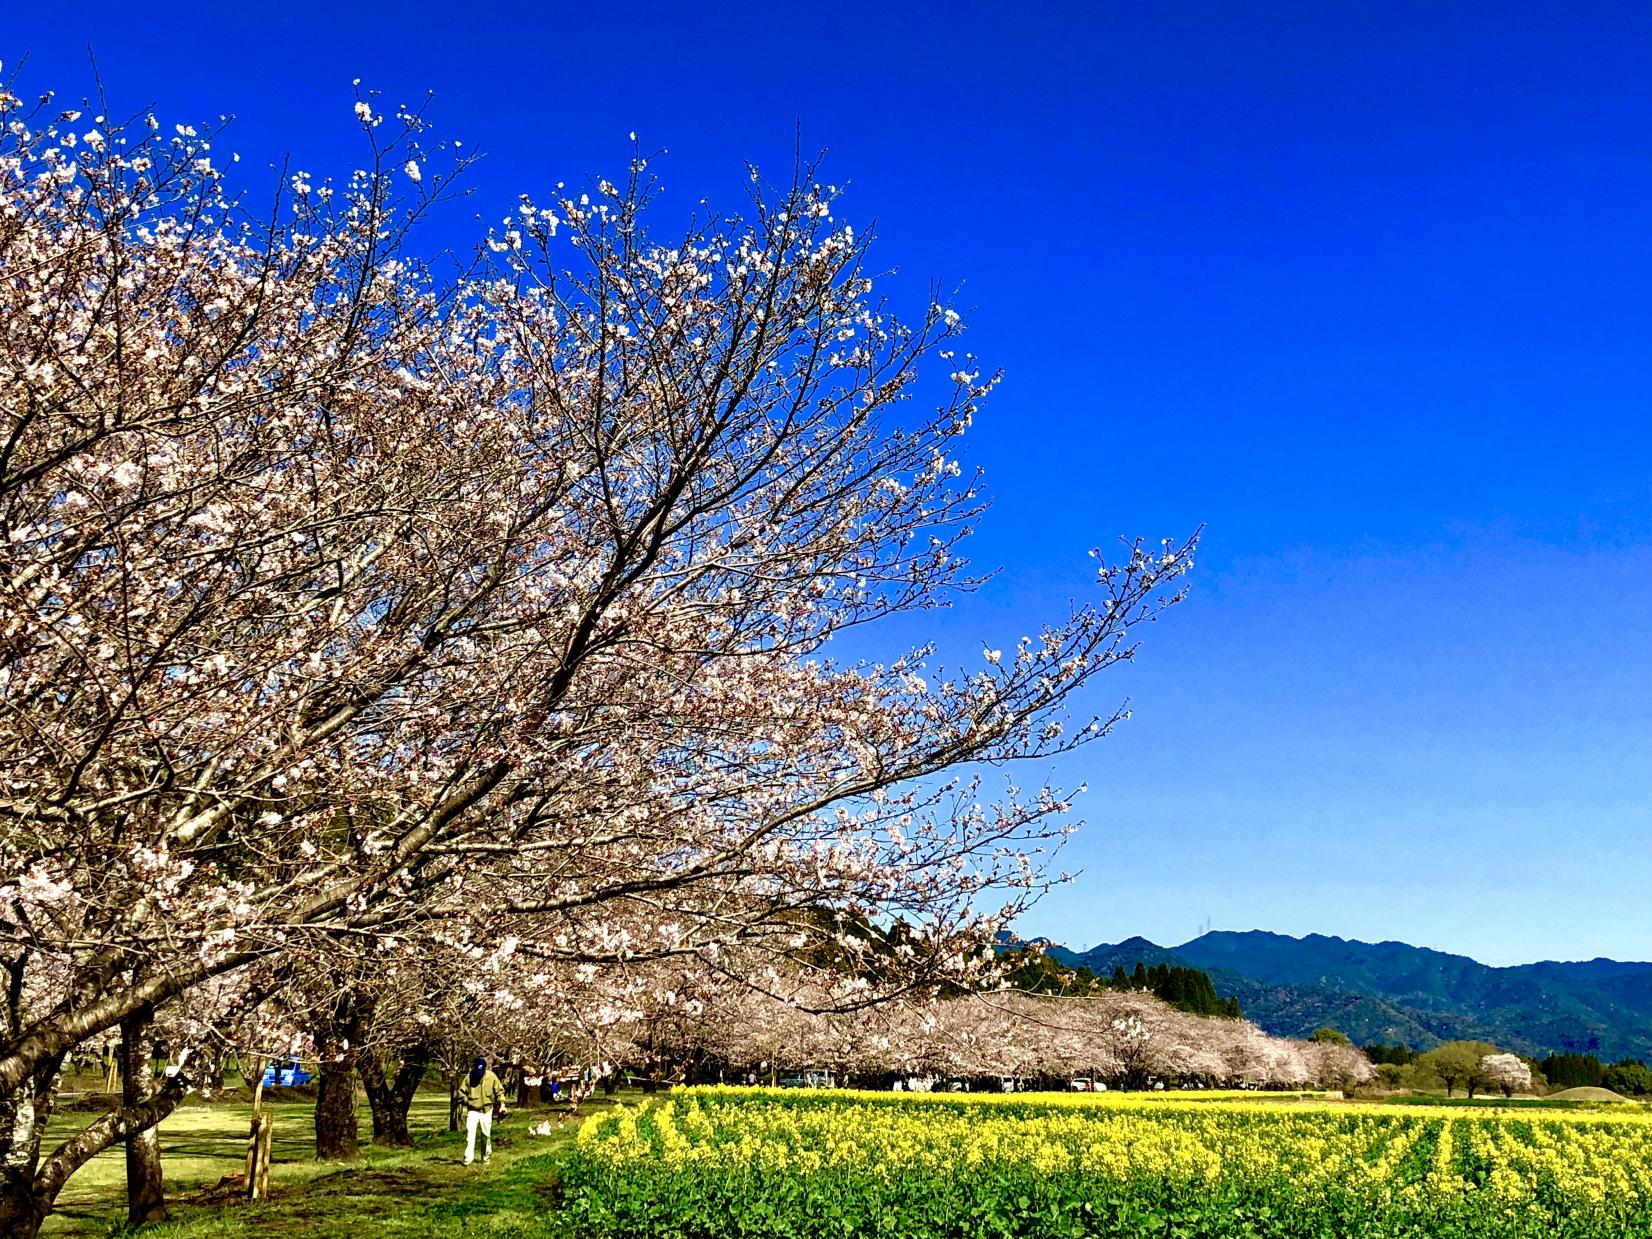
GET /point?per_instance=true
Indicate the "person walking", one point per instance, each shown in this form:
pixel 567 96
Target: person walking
pixel 482 1093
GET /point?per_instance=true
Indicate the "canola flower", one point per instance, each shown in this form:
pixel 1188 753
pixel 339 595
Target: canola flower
pixel 728 1162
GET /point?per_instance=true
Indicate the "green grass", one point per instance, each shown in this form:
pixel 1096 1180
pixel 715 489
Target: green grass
pixel 1508 1103
pixel 425 1190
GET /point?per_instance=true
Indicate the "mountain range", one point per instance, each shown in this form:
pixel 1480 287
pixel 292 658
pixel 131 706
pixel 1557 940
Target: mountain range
pixel 1390 992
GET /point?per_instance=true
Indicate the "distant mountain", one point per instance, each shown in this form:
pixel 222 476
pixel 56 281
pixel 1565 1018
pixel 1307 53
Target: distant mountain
pixel 1102 959
pixel 1389 991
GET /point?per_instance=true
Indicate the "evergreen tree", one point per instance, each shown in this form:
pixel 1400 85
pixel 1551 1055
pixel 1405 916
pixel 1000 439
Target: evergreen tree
pixel 1167 984
pixel 1572 1070
pixel 1397 1054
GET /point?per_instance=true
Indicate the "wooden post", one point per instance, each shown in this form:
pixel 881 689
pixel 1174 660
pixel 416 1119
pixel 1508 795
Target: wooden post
pixel 258 1156
pixel 258 1139
pixel 266 1136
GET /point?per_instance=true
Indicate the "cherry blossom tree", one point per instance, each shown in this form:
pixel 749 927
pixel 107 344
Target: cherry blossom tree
pixel 1508 1073
pixel 1127 1038
pixel 342 606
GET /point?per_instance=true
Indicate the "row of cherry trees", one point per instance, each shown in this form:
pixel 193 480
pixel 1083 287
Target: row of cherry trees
pixel 680 1024
pixel 357 624
pixel 1128 1038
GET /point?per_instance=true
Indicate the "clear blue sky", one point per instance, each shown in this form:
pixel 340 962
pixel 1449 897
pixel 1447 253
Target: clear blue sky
pixel 1364 287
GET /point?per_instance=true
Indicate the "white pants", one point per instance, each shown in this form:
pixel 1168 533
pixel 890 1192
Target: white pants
pixel 478 1120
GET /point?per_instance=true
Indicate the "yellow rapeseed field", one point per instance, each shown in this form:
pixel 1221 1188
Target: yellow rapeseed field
pixel 708 1161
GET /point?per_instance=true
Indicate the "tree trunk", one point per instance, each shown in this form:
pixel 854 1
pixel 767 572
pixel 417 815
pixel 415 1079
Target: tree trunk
pixel 391 1099
pixel 21 1209
pixel 531 1094
pixel 389 1119
pixel 145 1189
pixel 340 1038
pixel 29 1184
pixel 455 1107
pixel 389 1122
pixel 336 1138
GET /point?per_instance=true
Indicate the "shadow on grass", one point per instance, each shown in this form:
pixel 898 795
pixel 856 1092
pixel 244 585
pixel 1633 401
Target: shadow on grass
pixel 389 1194
pixel 508 1199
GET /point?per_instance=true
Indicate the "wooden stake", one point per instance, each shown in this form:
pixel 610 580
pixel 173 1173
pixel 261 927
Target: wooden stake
pixel 258 1141
pixel 258 1156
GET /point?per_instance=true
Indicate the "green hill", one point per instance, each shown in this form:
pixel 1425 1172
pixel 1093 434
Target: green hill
pixel 1392 992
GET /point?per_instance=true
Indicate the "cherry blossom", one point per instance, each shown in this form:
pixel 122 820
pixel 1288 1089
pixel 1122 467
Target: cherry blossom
pixel 344 606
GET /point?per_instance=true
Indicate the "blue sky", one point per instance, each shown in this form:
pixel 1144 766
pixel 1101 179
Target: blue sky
pixel 1362 287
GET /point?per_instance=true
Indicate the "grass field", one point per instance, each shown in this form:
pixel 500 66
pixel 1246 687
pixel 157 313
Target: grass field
pixel 1572 1099
pixel 425 1190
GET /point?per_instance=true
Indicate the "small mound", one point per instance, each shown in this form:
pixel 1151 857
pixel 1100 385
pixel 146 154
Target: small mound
pixel 295 1092
pixel 1586 1092
pixel 91 1103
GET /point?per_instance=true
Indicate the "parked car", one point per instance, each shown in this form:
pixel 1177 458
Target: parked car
pixel 286 1075
pixel 1081 1084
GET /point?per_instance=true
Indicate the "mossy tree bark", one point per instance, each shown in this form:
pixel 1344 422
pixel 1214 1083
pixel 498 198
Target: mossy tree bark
pixel 340 1039
pixel 391 1097
pixel 145 1189
pixel 336 1136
